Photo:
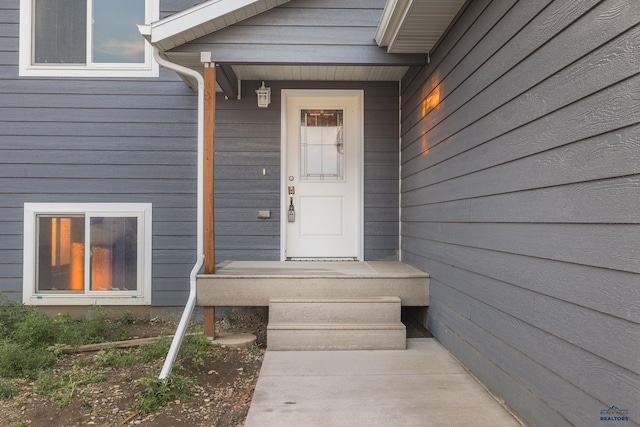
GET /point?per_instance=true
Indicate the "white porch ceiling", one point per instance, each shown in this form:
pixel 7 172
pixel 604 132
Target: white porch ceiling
pixel 332 73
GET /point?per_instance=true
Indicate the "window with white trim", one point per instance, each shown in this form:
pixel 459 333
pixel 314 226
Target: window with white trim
pixel 86 38
pixel 80 254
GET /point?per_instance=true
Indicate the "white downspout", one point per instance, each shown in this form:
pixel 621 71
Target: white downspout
pixel 191 302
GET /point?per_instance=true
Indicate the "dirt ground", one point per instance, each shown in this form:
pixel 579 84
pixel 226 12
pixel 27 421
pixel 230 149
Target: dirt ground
pixel 221 392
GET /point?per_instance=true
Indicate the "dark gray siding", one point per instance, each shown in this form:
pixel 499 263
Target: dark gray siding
pixel 97 140
pixel 248 139
pixel 521 198
pixel 133 140
pixel 304 32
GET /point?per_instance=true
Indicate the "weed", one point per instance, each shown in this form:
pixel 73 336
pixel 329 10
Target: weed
pixel 196 348
pixel 61 387
pixel 255 349
pixel 228 316
pixel 20 424
pixel 125 377
pixel 85 403
pixel 126 317
pixel 12 314
pixel 19 361
pixel 83 363
pixel 8 389
pixel 156 393
pixel 98 326
pixel 114 358
pixel 36 330
pixel 155 351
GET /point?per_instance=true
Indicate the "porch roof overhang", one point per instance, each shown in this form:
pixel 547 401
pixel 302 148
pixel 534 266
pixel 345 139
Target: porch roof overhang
pixel 401 25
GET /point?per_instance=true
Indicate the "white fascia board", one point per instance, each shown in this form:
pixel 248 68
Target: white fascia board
pixel 194 16
pixel 392 18
pixel 145 30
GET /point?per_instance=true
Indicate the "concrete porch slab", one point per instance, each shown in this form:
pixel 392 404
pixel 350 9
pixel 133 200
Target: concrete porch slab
pixel 421 386
pixel 318 268
pixel 253 283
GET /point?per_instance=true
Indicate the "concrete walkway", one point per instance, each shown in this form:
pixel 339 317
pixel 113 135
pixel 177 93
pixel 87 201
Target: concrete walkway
pixel 421 386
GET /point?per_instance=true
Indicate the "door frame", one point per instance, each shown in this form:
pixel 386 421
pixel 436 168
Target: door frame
pixel 286 95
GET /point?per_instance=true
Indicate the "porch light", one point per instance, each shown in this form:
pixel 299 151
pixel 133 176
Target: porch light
pixel 264 96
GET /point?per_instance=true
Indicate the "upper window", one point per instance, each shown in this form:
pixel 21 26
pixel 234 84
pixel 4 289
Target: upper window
pixel 80 254
pixel 78 38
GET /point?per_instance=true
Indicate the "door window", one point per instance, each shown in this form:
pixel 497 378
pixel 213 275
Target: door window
pixel 322 145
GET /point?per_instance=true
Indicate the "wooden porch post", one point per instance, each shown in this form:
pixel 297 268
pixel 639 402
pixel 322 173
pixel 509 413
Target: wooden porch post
pixel 209 154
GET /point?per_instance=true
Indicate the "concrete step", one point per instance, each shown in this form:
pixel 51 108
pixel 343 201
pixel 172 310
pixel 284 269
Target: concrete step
pixel 334 336
pixel 335 310
pixel 360 323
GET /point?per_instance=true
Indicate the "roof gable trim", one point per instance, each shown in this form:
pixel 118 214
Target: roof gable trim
pixel 392 18
pixel 184 22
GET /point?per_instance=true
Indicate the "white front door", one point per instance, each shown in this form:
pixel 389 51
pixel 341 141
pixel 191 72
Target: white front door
pixel 322 158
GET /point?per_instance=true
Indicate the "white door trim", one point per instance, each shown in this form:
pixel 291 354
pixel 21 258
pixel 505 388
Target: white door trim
pixel 287 94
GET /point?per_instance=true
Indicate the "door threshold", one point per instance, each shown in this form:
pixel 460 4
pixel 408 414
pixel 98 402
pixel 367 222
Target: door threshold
pixel 339 259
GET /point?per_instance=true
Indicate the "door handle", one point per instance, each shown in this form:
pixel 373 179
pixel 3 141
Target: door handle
pixel 291 215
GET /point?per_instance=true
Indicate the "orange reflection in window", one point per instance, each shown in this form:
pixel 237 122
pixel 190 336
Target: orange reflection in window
pixel 77 266
pixel 65 241
pixel 54 242
pixel 64 252
pixel 100 269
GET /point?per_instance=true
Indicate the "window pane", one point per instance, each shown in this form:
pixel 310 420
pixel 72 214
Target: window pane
pixel 321 145
pixel 115 35
pixel 60 31
pixel 60 253
pixel 114 253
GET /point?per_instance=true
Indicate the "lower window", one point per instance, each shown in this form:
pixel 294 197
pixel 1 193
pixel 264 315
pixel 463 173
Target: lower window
pixel 87 253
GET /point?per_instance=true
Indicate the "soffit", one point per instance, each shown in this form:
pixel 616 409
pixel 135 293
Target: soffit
pixel 320 72
pixel 415 26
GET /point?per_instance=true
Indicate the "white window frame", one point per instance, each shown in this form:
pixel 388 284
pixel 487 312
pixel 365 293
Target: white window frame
pixel 142 296
pixel 27 68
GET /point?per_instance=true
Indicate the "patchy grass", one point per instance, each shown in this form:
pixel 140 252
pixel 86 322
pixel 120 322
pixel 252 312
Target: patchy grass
pixel 115 358
pixel 38 381
pixel 8 389
pixel 63 386
pixel 30 340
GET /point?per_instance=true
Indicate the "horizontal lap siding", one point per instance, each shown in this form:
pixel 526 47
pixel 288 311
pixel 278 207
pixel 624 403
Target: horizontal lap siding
pixel 133 140
pixel 520 196
pixel 98 140
pixel 248 141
